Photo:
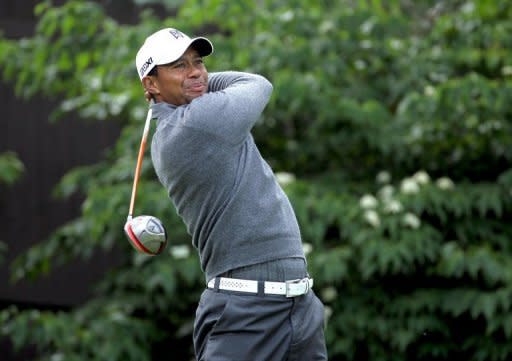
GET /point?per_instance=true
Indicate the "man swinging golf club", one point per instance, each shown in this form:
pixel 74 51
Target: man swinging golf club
pixel 258 303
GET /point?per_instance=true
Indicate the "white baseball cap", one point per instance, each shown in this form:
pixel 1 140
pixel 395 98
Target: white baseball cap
pixel 166 46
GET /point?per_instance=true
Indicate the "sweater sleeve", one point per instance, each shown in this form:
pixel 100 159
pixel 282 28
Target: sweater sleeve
pixel 234 102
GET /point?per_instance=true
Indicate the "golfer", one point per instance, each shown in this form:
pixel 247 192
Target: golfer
pixel 258 303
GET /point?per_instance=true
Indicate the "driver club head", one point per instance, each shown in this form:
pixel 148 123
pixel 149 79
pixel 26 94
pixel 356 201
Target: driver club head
pixel 146 234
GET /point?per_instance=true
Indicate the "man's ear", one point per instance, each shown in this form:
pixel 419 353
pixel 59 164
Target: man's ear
pixel 150 85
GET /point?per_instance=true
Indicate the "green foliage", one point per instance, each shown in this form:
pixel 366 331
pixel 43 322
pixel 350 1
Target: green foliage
pixel 85 334
pixel 170 4
pixel 389 128
pixel 11 169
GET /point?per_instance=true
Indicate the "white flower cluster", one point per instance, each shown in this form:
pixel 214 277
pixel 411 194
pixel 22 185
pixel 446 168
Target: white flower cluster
pixel 445 183
pixel 430 91
pixel 329 294
pixel 383 177
pixel 307 248
pixel 372 217
pixel 180 251
pixel 409 186
pixel 391 205
pixel 386 192
pixel 412 185
pixel 411 220
pixel 284 178
pixel 368 202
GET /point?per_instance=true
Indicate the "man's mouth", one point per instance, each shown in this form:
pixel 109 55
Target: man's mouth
pixel 197 87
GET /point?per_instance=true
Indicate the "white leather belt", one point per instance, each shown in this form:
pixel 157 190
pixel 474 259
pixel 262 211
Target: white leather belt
pixel 291 288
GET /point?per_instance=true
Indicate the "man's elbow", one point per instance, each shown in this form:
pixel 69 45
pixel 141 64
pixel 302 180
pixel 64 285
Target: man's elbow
pixel 266 86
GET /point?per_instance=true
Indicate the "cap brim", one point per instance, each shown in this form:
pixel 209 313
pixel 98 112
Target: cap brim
pixel 203 46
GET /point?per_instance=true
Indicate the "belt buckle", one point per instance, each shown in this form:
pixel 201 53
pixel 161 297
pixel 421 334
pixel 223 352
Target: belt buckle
pixel 296 291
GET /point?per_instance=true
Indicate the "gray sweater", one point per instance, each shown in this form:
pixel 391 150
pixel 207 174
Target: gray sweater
pixel 225 192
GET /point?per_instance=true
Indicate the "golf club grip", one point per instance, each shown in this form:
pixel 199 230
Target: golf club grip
pixel 140 157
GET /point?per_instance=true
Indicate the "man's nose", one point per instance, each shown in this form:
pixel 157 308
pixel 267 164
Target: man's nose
pixel 195 71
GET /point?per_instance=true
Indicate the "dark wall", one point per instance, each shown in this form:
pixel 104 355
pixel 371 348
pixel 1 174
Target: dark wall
pixel 27 209
pixel 28 212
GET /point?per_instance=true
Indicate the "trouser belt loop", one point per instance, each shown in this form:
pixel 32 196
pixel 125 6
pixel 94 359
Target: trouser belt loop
pixel 261 288
pixel 216 284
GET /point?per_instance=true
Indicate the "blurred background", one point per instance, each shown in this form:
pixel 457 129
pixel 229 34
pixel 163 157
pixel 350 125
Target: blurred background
pixel 389 129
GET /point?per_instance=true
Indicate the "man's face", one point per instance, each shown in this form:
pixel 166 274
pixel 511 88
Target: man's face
pixel 183 80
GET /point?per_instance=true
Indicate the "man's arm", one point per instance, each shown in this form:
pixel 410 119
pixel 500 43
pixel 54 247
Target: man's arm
pixel 234 102
pixel 218 81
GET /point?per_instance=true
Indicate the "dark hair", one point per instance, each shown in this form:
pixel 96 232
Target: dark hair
pixel 153 71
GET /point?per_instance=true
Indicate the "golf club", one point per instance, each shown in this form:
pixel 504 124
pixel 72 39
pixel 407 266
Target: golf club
pixel 146 234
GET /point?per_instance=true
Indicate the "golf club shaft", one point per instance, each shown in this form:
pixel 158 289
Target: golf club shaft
pixel 140 157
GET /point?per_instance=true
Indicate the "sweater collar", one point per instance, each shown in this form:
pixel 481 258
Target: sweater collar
pixel 161 108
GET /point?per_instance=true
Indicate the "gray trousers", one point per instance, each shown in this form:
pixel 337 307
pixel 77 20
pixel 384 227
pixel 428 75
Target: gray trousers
pixel 235 326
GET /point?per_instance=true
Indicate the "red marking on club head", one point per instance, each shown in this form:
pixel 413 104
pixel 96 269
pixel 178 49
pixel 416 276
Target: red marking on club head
pixel 136 243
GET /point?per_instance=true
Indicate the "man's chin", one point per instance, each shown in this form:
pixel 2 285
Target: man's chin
pixel 193 95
